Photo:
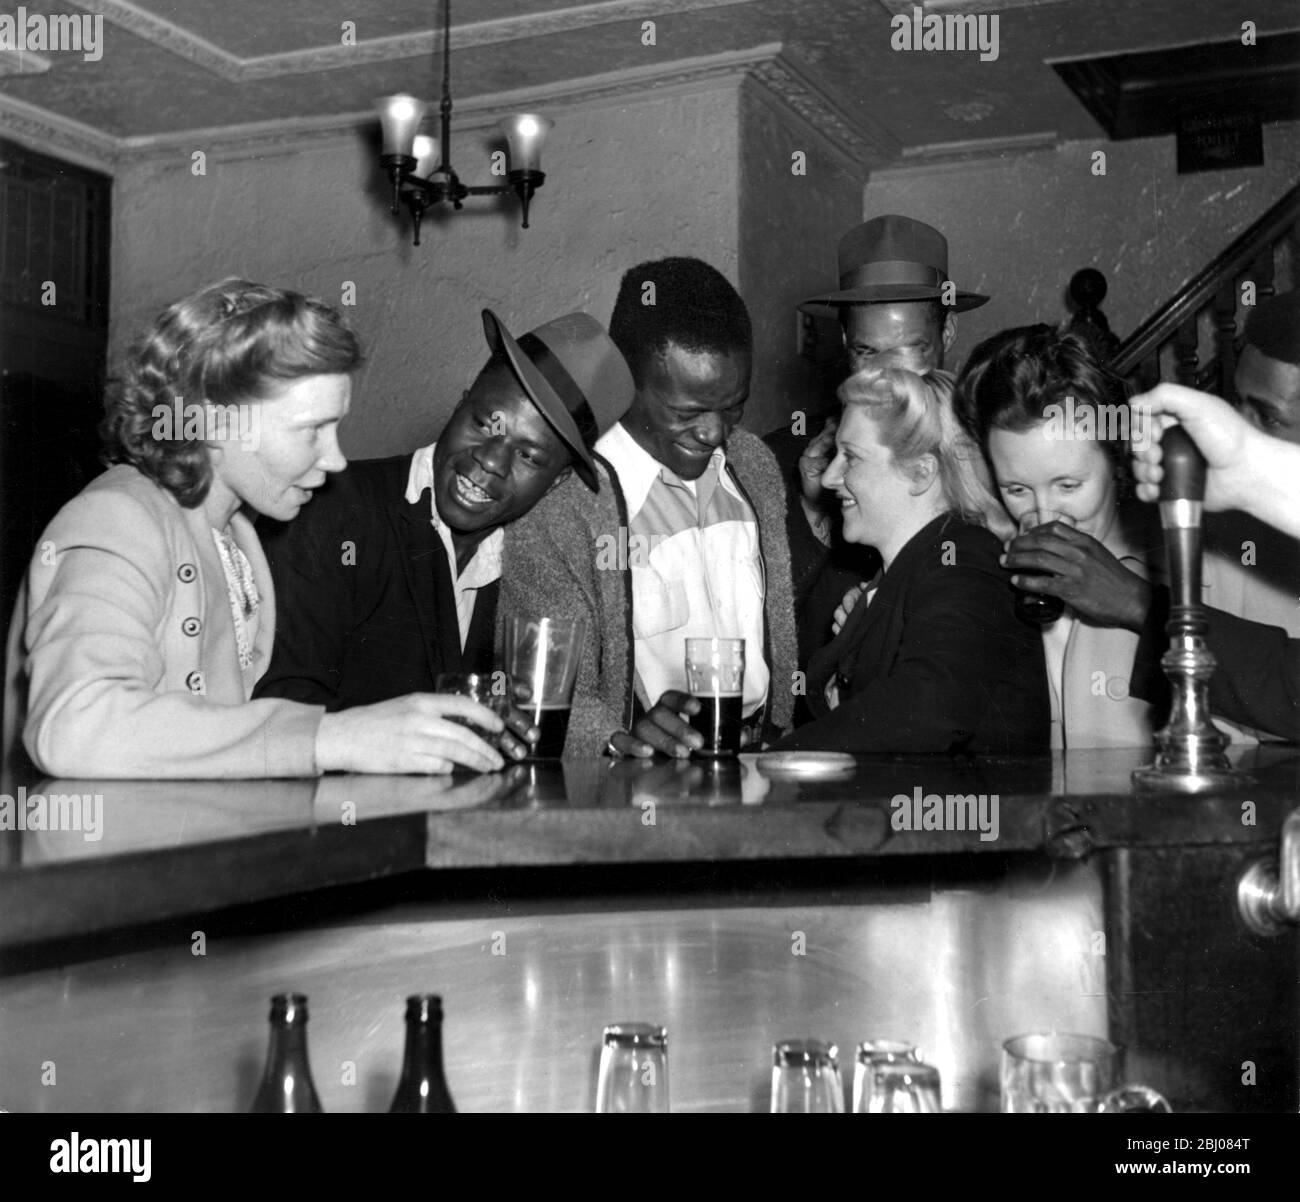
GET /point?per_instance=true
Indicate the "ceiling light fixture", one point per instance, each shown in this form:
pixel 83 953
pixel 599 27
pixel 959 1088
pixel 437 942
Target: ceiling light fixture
pixel 419 166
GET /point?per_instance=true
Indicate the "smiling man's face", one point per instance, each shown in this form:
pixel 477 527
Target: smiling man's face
pixel 496 457
pixel 687 406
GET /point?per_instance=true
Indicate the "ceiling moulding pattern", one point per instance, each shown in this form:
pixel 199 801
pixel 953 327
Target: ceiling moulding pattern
pixel 905 7
pixel 48 133
pixel 417 44
pixel 857 145
pixel 473 113
pixel 44 130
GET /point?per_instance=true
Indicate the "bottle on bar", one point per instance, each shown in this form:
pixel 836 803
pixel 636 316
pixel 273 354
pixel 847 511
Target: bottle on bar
pixel 422 1088
pixel 287 1086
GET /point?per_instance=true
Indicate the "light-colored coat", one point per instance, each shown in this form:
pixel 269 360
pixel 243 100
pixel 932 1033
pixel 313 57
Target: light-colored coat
pixel 122 660
pixel 1095 708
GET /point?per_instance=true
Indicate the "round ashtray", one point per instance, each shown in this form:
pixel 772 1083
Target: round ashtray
pixel 807 765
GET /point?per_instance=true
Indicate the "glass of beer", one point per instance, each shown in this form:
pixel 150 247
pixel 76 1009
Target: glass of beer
pixel 633 1070
pixel 715 677
pixel 1050 1073
pixel 806 1078
pixel 1039 609
pixel 542 658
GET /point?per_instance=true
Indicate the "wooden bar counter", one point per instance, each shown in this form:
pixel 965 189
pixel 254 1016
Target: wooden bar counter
pixel 141 941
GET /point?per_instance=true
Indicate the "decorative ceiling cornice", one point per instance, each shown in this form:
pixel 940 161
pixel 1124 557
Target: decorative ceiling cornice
pixel 472 113
pixel 418 43
pixel 50 133
pixel 778 73
pixel 858 144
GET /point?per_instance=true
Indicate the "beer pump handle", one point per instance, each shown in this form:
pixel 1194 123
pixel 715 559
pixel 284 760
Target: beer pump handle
pixel 1191 756
pixel 1184 467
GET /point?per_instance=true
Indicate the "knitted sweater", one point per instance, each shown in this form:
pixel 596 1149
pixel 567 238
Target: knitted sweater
pixel 568 558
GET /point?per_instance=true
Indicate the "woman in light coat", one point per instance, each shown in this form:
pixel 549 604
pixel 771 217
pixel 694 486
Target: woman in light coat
pixel 1048 416
pixel 147 613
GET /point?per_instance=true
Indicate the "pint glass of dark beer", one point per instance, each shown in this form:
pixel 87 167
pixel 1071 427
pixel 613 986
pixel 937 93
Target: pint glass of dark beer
pixel 715 677
pixel 542 657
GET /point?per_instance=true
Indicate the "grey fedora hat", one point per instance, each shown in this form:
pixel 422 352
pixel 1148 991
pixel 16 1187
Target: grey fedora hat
pixel 573 372
pixel 891 258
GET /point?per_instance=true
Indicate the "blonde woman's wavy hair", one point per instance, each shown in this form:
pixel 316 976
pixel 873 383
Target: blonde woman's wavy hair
pixel 914 416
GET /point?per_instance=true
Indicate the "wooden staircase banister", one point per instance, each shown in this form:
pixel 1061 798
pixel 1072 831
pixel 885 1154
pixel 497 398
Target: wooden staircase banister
pixel 1165 322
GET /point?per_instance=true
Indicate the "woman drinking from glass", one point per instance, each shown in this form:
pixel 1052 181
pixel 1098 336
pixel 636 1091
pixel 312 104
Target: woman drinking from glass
pixel 1053 424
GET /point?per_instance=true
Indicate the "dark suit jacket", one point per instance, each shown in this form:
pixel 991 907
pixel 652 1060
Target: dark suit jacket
pixel 1256 679
pixel 364 596
pixel 938 663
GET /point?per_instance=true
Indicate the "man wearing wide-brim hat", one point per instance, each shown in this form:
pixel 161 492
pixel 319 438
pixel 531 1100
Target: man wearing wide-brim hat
pixel 895 304
pixel 890 260
pixel 390 576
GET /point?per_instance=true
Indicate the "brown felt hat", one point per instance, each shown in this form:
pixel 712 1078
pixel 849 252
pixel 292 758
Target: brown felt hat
pixel 891 258
pixel 573 372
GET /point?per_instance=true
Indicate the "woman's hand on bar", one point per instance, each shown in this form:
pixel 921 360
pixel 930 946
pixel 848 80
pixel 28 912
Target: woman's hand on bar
pixel 412 734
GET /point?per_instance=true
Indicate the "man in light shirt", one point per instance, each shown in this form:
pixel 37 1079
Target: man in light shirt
pixel 688 540
pixel 390 576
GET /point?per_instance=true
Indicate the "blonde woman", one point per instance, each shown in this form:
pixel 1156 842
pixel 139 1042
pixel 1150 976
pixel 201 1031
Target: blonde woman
pixel 932 657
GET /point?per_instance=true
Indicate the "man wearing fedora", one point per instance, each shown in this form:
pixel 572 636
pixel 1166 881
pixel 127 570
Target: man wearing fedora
pixel 390 576
pixel 895 305
pixel 686 538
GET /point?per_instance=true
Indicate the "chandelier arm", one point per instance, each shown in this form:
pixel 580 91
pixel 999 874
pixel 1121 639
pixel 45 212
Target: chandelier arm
pixel 445 106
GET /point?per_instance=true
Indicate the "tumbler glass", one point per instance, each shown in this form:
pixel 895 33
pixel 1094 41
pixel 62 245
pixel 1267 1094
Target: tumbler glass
pixel 1051 1073
pixel 493 690
pixel 870 1053
pixel 633 1070
pixel 806 1078
pixel 1039 609
pixel 902 1087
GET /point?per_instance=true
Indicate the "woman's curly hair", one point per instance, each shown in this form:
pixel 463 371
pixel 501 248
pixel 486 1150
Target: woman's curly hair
pixel 228 343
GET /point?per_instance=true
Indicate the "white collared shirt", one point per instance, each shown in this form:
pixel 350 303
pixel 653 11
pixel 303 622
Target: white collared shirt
pixel 482 569
pixel 694 575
